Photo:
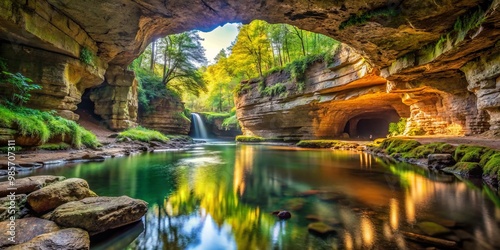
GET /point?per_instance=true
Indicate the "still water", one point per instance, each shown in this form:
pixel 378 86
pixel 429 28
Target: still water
pixel 221 196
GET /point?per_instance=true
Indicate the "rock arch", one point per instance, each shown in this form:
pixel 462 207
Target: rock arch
pixel 405 41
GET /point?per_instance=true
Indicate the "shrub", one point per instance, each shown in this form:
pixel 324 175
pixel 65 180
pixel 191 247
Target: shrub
pixel 231 120
pixel 248 138
pixel 18 85
pixel 143 134
pixel 397 128
pixel 275 90
pixel 86 56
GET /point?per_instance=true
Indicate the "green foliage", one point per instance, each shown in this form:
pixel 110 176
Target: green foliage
pixel 274 90
pixel 416 131
pixel 55 146
pixel 397 128
pixel 19 87
pixel 151 88
pixel 143 134
pixel 46 126
pixel 247 138
pixel 467 22
pixel 86 56
pixel 212 116
pixel 231 121
pixel 362 18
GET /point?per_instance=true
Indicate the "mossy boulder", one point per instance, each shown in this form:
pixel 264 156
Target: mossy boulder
pixel 491 171
pixel 423 151
pixel 396 145
pixel 467 153
pixel 440 161
pixel 466 169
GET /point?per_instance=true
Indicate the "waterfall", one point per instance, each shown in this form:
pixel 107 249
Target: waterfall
pixel 200 131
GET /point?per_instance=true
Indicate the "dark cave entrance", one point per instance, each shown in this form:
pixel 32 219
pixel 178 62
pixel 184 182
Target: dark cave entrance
pixel 373 124
pixel 86 108
pixel 375 127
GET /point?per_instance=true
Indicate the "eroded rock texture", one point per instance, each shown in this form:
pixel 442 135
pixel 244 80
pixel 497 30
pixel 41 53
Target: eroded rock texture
pixel 166 116
pixel 418 46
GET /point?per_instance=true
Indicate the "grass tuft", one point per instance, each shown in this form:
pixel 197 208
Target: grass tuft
pixel 143 134
pixel 248 138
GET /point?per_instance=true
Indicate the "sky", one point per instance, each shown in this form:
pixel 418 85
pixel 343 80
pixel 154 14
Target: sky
pixel 217 39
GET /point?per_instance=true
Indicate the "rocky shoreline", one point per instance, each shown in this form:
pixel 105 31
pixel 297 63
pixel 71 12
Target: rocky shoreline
pixel 31 160
pixel 53 212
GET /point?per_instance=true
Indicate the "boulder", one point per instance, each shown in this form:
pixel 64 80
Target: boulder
pixel 467 169
pixel 440 161
pixel 98 214
pixel 28 184
pixel 65 239
pixel 19 201
pixel 52 196
pixel 320 228
pixel 26 229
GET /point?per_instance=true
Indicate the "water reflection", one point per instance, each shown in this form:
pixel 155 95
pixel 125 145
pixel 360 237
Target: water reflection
pixel 221 197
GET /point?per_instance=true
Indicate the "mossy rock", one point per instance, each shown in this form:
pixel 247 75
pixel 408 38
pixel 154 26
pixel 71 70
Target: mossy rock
pixel 487 156
pixel 492 167
pixel 467 169
pixel 318 143
pixel 467 153
pixel 433 229
pixel 423 151
pixel 247 138
pixel 320 228
pixel 396 145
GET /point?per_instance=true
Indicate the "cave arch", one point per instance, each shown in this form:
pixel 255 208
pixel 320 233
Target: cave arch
pixel 372 124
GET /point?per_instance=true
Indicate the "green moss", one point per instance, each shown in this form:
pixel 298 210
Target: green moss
pixel 55 146
pixel 143 134
pixel 248 138
pixel 468 21
pixel 7 149
pixel 486 156
pixel 466 153
pixel 274 90
pixel 317 143
pixel 396 145
pixel 362 18
pixel 492 167
pixel 467 169
pixel 46 126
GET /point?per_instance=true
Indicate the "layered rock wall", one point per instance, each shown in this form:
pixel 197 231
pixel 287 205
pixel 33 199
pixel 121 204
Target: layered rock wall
pixel 63 78
pixel 348 89
pixel 167 116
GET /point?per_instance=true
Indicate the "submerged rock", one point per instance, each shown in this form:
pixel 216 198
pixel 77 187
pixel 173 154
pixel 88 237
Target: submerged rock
pixel 65 239
pixel 29 184
pixel 98 214
pixel 440 161
pixel 52 196
pixel 432 229
pixel 282 214
pixel 320 228
pixel 27 229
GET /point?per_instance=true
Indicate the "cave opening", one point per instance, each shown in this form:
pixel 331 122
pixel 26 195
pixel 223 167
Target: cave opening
pixel 375 127
pixel 86 108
